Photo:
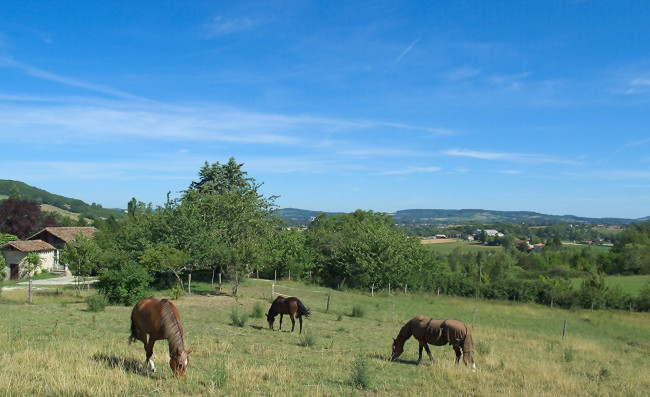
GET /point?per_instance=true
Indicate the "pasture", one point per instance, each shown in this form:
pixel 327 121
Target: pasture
pixel 629 284
pixel 446 246
pixel 57 347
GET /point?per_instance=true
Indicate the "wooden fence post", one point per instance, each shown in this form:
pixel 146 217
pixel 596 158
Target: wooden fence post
pixel 30 290
pixel 388 289
pixel 473 318
pixel 406 286
pixel 289 275
pixel 372 290
pixel 275 277
pixel 564 330
pixel 329 295
pixel 189 283
pixel 438 291
pixel 551 303
pixel 219 281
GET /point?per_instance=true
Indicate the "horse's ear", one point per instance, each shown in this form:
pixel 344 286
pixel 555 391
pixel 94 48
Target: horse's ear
pixel 189 351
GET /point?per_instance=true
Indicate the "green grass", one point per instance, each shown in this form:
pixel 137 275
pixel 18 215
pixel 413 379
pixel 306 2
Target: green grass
pixel 580 247
pixel 630 284
pixel 464 246
pixel 57 347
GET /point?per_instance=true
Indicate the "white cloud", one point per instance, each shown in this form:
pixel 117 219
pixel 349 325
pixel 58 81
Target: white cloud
pixel 222 26
pixel 522 158
pixel 412 170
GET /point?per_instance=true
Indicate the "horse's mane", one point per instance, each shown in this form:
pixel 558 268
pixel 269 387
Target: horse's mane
pixel 406 330
pixel 171 328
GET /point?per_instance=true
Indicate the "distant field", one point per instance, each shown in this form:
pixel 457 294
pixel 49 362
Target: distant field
pixel 446 246
pixel 597 248
pixel 630 284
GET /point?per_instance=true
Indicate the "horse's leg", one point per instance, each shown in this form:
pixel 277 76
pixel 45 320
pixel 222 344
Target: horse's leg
pixel 280 328
pixel 422 346
pixel 457 350
pixel 426 347
pixel 300 319
pixel 148 364
pixel 293 322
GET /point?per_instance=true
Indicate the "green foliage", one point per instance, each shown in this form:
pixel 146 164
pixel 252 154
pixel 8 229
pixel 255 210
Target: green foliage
pixel 258 310
pixel 97 303
pixel 125 285
pixel 83 256
pixel 360 374
pixel 642 302
pixel 220 373
pixel 32 263
pixel 238 319
pixel 358 311
pixel 177 291
pixel 307 339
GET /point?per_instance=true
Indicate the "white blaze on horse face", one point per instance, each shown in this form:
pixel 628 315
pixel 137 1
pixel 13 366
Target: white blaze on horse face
pixel 186 362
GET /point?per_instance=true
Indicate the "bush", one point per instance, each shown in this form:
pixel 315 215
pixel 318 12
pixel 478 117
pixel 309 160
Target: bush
pixel 97 303
pixel 307 339
pixel 360 376
pixel 237 319
pixel 358 311
pixel 258 310
pixel 642 302
pixel 126 285
pixel 176 291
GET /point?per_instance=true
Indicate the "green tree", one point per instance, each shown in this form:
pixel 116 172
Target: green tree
pixel 83 257
pixel 165 259
pixel 32 263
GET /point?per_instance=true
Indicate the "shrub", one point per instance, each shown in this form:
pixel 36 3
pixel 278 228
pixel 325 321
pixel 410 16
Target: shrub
pixel 258 310
pixel 125 285
pixel 220 373
pixel 307 339
pixel 176 291
pixel 642 302
pixel 238 319
pixel 97 303
pixel 360 375
pixel 358 311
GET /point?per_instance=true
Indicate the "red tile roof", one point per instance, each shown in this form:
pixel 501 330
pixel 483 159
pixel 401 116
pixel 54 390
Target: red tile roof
pixel 28 246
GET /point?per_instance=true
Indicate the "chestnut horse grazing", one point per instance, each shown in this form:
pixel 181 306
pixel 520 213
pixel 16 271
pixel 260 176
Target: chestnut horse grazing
pixel 291 306
pixel 436 332
pixel 160 320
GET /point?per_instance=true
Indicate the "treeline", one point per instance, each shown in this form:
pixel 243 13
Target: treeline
pixel 222 223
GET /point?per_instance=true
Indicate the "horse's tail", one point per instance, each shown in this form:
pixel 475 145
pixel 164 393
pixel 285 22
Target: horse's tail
pixel 134 332
pixel 303 309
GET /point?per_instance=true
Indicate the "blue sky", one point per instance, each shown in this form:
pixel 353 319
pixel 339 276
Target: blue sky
pixel 334 105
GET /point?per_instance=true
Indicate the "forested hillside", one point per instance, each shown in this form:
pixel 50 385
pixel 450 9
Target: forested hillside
pixel 39 196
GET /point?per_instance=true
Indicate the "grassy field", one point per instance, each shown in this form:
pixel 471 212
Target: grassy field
pixel 446 246
pixel 630 284
pixel 56 347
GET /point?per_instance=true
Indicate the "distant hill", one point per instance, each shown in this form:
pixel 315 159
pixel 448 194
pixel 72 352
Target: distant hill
pixel 295 216
pixel 48 200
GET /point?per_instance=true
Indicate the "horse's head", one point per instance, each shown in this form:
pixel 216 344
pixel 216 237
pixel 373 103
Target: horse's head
pixel 468 359
pixel 270 317
pixel 179 361
pixel 398 348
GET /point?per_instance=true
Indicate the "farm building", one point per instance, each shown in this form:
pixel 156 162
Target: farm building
pixel 48 243
pixel 15 253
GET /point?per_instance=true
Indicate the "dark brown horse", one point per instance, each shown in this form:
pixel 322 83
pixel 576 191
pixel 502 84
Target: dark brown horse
pixel 291 306
pixel 160 320
pixel 438 333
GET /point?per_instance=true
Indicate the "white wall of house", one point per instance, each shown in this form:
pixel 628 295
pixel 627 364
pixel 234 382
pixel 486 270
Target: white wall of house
pixel 13 256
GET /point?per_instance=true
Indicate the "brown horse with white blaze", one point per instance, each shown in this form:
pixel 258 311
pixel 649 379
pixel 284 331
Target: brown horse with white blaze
pixel 160 320
pixel 291 306
pixel 438 333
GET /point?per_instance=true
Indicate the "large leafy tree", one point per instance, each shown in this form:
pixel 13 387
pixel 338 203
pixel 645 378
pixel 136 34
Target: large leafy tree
pixel 232 220
pixel 23 218
pixel 363 248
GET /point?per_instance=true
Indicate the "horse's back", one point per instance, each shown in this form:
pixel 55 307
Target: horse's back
pixel 148 313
